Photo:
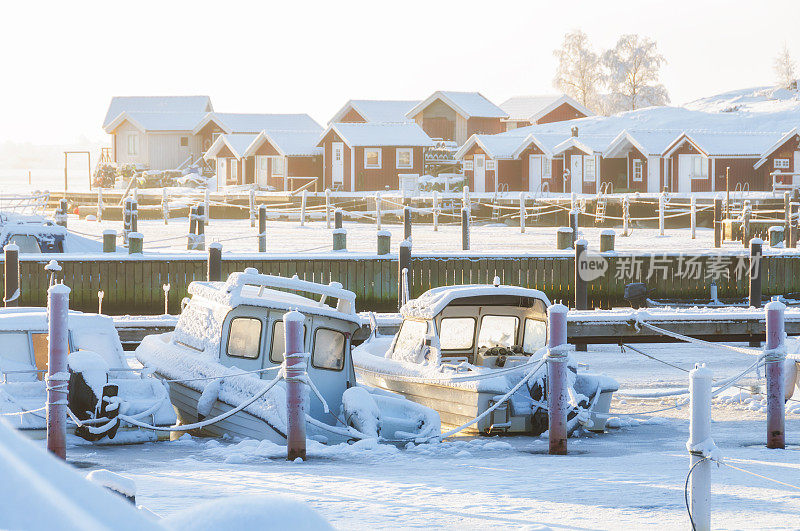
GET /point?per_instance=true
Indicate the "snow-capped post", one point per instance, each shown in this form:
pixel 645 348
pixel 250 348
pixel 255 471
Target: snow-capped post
pixel 109 241
pixel 252 206
pixel 303 199
pixel 522 212
pixel 340 239
pixel 717 223
pixel 699 436
pixel 786 217
pixel 377 210
pixel 793 225
pixel 406 222
pixel 295 376
pixel 214 262
pixel 774 357
pixel 465 200
pixel 464 229
pixel 11 275
pixel 200 239
pixel 573 225
pixel 192 229
pixel 384 242
pixel 557 398
pixel 135 243
pixel 206 207
pixel 100 295
pixel 755 272
pixel 607 240
pixel 134 216
pixel 662 205
pixel 337 218
pixel 262 228
pixel 61 213
pixel 747 214
pixel 165 205
pixel 693 217
pixel 563 238
pixel 626 214
pixel 327 208
pixel 403 266
pixel 166 287
pixel 435 211
pixel 775 235
pixel 99 203
pixel 57 376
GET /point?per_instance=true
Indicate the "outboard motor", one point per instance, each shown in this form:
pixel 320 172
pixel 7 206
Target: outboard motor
pixel 636 294
pixel 90 396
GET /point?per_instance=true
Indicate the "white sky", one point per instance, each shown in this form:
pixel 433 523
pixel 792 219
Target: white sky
pixel 62 61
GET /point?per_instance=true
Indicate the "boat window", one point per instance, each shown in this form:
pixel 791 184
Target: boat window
pixel 535 335
pixel 14 347
pixel 410 336
pixel 278 348
pixel 244 337
pixel 26 243
pixel 328 349
pixel 498 331
pixel 456 333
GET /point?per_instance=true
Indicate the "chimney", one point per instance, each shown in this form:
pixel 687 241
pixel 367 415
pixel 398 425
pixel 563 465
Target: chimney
pixel 575 132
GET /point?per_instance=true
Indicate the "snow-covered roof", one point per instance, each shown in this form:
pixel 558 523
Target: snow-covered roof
pixel 432 302
pixel 467 104
pixel 287 143
pixel 379 134
pixel 531 108
pixel 236 142
pixel 727 144
pixel 255 123
pixel 180 104
pixel 589 144
pixel 781 141
pixel 493 145
pixel 157 121
pixel 378 110
pixel 649 143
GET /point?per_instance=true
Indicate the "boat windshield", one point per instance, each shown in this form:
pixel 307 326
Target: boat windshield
pixel 498 331
pixel 535 336
pixel 411 335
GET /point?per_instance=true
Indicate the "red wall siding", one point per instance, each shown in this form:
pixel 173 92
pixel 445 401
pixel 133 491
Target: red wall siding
pixel 368 179
pixel 563 112
pixel 524 169
pixel 327 177
pixel 685 149
pixel 785 151
pixel 639 186
pixel 489 126
pixel 352 116
pixel 743 172
pixel 304 166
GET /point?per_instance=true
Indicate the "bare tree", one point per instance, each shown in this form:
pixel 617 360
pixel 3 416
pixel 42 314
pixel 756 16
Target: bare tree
pixel 579 73
pixel 632 70
pixel 785 68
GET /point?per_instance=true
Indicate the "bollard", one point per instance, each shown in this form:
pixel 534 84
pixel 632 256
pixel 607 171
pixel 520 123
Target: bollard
pixel 135 243
pixel 699 435
pixel 557 398
pixel 774 357
pixel 693 217
pixel 99 203
pixel 303 199
pixel 109 241
pixel 786 217
pixel 464 229
pixel 166 287
pixel 214 262
pixel 378 211
pixel 384 242
pixel 61 213
pixel 607 240
pixel 403 265
pixel 53 268
pixel 573 224
pixel 406 222
pixel 776 236
pixel 294 362
pixel 339 239
pixel 626 214
pixel 793 225
pixel 165 205
pixel 327 208
pixel 747 215
pixel 206 207
pixel 100 295
pixel 337 218
pixel 435 211
pixel 252 205
pixel 134 216
pixel 465 200
pixel 755 272
pixel 522 212
pixel 717 223
pixel 126 219
pixel 200 240
pixel 57 375
pixel 564 238
pixel 662 205
pixel 262 228
pixel 190 239
pixel 11 275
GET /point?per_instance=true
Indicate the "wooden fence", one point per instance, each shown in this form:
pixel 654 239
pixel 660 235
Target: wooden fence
pixel 134 285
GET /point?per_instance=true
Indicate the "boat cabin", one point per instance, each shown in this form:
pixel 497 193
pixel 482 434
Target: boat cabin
pixel 487 326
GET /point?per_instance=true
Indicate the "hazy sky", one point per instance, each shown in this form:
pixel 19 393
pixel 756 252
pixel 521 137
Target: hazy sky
pixel 62 61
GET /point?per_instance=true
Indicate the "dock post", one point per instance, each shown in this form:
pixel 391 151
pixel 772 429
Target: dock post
pixel 252 207
pixel 11 275
pixel 135 243
pixel 662 205
pixel 573 224
pixel 337 218
pixel 581 286
pixel 406 222
pixel 303 199
pixel 557 398
pixel 403 266
pixel 384 242
pixel 57 377
pixel 99 203
pixel 262 228
pixel 774 358
pixel 747 215
pixel 340 239
pixel 626 214
pixel 756 245
pixel 378 210
pixel 465 200
pixel 787 217
pixel 61 213
pixel 699 433
pixel 202 216
pixel 190 240
pixel 776 237
pixel 206 207
pixel 464 229
pixel 134 216
pixel 717 223
pixel 607 237
pixel 294 365
pixel 563 238
pixel 327 208
pixel 693 217
pixel 214 262
pixel 791 241
pixel 435 210
pixel 522 212
pixel 109 241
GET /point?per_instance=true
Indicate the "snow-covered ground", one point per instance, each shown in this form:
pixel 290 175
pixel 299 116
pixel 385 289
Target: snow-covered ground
pixel 631 477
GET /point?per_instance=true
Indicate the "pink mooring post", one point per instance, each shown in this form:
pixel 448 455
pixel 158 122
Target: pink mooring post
pixel 557 399
pixel 774 358
pixel 295 363
pixel 57 375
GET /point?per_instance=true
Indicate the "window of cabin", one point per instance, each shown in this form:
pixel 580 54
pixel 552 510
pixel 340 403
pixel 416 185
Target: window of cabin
pixel 782 164
pixel 479 162
pixel 372 158
pixel 244 337
pixel 498 331
pixel 468 165
pixel 184 141
pixel 133 144
pixel 547 167
pixel 277 167
pixel 699 167
pixel 456 333
pixel 637 169
pixel 489 165
pixel 405 158
pixel 328 349
pixel 589 173
pixel 278 347
pixel 26 242
pixel 534 336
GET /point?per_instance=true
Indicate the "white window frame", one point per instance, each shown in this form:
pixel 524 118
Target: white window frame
pixel 275 162
pixel 703 163
pixel 400 151
pixel 547 168
pixel 368 166
pixel 468 166
pixel 589 168
pixel 782 164
pixel 490 165
pixel 234 170
pixel 638 170
pixel 181 141
pixel 133 144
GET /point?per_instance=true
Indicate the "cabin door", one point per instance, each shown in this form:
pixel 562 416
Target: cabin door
pixel 337 164
pixel 685 168
pixel 535 173
pixel 576 174
pixel 479 173
pixel 796 169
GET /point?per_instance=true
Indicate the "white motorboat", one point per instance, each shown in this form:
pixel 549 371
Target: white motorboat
pixel 459 349
pixel 37 234
pixel 101 385
pixel 228 347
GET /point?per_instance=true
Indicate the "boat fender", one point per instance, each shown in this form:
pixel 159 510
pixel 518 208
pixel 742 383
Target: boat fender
pixel 207 399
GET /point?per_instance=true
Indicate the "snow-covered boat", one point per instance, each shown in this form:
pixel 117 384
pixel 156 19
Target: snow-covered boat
pixel 101 385
pixel 228 347
pixel 461 348
pixel 37 234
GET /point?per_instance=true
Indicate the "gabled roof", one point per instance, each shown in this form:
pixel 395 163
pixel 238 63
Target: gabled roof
pixel 157 121
pixel 467 104
pixel 182 104
pixel 377 110
pixel 236 142
pixel 769 151
pixel 287 143
pixel 496 147
pixel 379 134
pixel 531 108
pixel 536 140
pixel 255 123
pixel 726 144
pixel 649 143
